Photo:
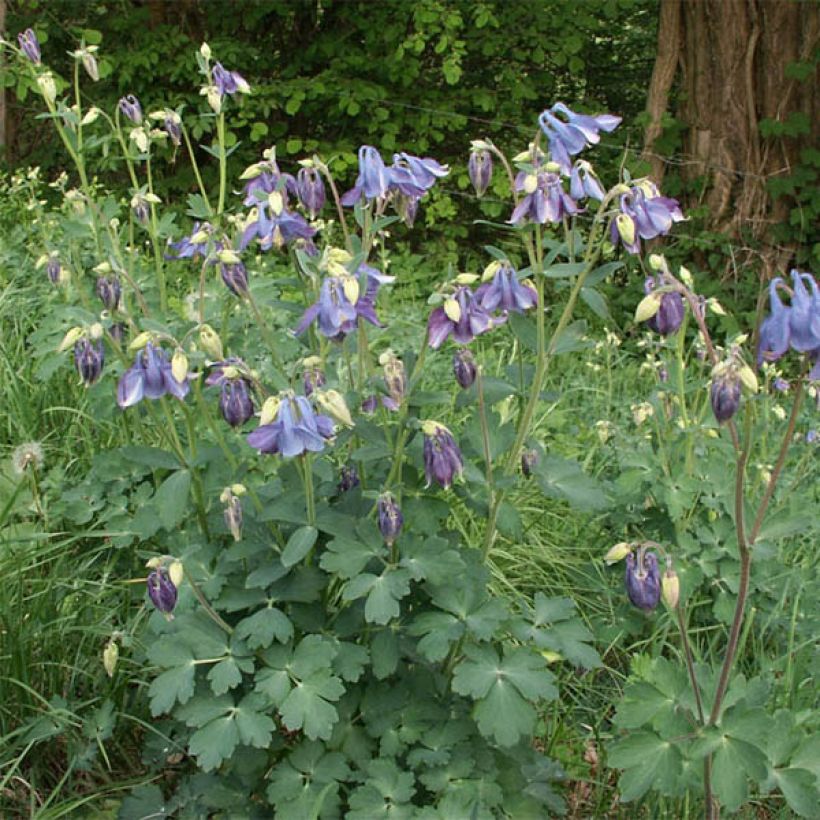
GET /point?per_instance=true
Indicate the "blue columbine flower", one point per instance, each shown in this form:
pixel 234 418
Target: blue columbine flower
pixel 130 106
pixel 584 182
pixel 235 277
pixel 296 430
pixel 643 580
pixel 442 457
pixel 269 179
pixel 505 292
pixel 423 171
pixel 310 190
pixel 235 402
pixel 89 358
pixel 373 180
pixel 150 377
pixel 30 45
pixel 348 479
pixel 229 82
pixel 275 229
pixel 480 170
pixel 569 133
pixel 724 395
pixel 193 246
pixel 545 199
pixel 462 316
pixel 644 214
pixel 161 590
pixel 670 313
pixel 108 290
pixel 464 367
pixel 391 518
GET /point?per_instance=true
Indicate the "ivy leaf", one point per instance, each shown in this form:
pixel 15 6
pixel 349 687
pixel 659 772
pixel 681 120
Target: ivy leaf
pixel 299 545
pixel 263 626
pixel 214 742
pixel 503 688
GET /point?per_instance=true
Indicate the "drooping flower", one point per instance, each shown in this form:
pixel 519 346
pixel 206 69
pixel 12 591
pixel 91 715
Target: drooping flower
pixel 235 277
pixel 193 246
pixel 265 178
pixel 545 199
pixel 644 214
pixel 423 171
pixel 162 590
pixel 149 377
pixel 30 45
pixel 568 133
pixel 229 82
pixel 505 292
pixel 669 316
pixel 391 518
pixel 275 227
pixel 464 367
pixel 313 377
pixel 348 479
pixel 442 457
pixel 311 190
pixel 796 326
pixel 584 182
pixel 131 108
pixel 235 401
pixel 643 579
pixel 89 359
pixel 724 395
pixel 232 514
pixel 108 290
pixel 373 179
pixel 480 170
pixel 462 316
pixel 297 429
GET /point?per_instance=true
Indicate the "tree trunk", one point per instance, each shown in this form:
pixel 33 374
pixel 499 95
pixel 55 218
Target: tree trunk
pixel 730 59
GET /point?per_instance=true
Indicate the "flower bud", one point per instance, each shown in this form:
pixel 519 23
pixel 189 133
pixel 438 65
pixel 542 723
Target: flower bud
pixel 626 229
pixel 670 588
pixel 464 367
pixel 270 409
pixel 111 655
pixel 89 359
pixel 53 269
pixel 179 365
pixel 395 378
pixel 618 552
pixel 45 82
pixel 648 307
pixel 30 45
pixel 139 341
pixel 530 183
pixel 452 309
pixel 311 190
pixel 109 290
pixel 235 277
pixel 333 403
pixel 90 65
pixel 748 377
pixel 233 517
pixel 442 456
pixel 210 342
pixel 725 395
pixel 276 202
pixel 480 170
pixel 348 479
pixel 313 377
pixel 391 518
pixel 205 51
pixel 529 460
pixel 643 581
pixel 657 262
pixel 350 285
pixel 162 591
pixel 176 573
pixel 235 402
pixel 71 338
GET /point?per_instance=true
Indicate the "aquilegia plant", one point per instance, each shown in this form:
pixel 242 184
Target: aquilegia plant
pixel 323 642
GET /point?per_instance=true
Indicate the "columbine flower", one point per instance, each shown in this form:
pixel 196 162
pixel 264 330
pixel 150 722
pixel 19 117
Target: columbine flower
pixel 645 214
pixel 643 579
pixel 130 106
pixel 108 289
pixel 462 316
pixel 30 45
pixel 391 518
pixel 373 179
pixel 264 178
pixel 545 199
pixel 505 292
pixel 297 429
pixel 584 183
pixel 235 401
pixel 229 82
pixel 311 190
pixel 442 457
pixel 480 170
pixel 464 367
pixel 725 395
pixel 421 171
pixel 172 123
pixel 797 326
pixel 89 358
pixel 275 227
pixel 193 246
pixel 670 313
pixel 569 133
pixel 348 479
pixel 162 591
pixel 28 454
pixel 149 377
pixel 395 380
pixel 235 277
pixel 313 377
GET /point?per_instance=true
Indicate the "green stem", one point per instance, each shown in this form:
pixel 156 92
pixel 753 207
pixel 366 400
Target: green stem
pixel 158 260
pixel 309 497
pixel 195 165
pixel 223 163
pixel 485 437
pixel 215 616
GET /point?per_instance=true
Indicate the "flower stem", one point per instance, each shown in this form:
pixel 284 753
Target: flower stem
pixel 223 163
pixel 214 615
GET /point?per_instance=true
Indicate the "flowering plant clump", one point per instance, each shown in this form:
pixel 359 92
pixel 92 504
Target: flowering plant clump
pixel 322 640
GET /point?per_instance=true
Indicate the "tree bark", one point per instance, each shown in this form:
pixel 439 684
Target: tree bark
pixel 730 59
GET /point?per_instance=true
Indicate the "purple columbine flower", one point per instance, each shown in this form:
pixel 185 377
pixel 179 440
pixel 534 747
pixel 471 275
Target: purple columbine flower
pixel 193 246
pixel 644 214
pixel 480 171
pixel 725 395
pixel 462 316
pixel 161 590
pixel 228 82
pixel 442 457
pixel 297 429
pixel 584 182
pixel 268 180
pixel 231 368
pixel 108 290
pixel 275 229
pixel 235 277
pixel 89 358
pixel 173 129
pixel 781 385
pixel 391 518
pixel 670 314
pixel 545 199
pixel 150 377
pixel 373 180
pixel 130 106
pixel 505 292
pixel 348 479
pixel 313 378
pixel 464 367
pixel 235 401
pixel 797 326
pixel 569 133
pixel 423 171
pixel 643 580
pixel 311 190
pixel 54 269
pixel 30 45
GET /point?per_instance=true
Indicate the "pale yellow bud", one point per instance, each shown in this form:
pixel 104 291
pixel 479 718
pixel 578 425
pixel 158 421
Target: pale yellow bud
pixel 214 98
pixel 228 257
pixel 154 563
pixel 140 138
pixel 339 255
pixel 210 342
pixel 626 228
pixel 239 489
pixel 431 428
pixel 619 189
pixel 45 82
pixel 199 237
pixel 111 655
pixel 276 202
pixel 139 341
pixel 179 365
pixel 103 268
pixel 466 278
pixel 685 276
pixel 490 270
pixel 480 145
pixel 350 285
pixel 648 307
pixel 670 588
pixel 176 573
pixel 96 331
pixel 657 261
pixel 716 307
pixel 452 309
pixel 71 338
pixel 333 403
pixel 530 183
pixel 205 51
pixel 90 116
pixel 252 171
pixel 749 379
pixel 269 410
pixel 618 553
